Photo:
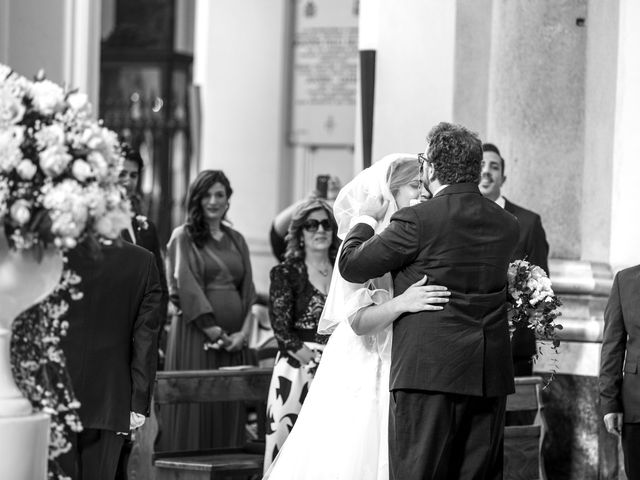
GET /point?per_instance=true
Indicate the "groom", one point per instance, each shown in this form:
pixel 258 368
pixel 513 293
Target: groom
pixel 451 369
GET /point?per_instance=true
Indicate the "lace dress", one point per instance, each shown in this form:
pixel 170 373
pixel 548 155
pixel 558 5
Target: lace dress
pixel 295 307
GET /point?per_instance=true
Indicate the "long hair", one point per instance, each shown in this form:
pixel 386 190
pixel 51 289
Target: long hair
pixel 196 224
pixel 401 172
pixel 294 235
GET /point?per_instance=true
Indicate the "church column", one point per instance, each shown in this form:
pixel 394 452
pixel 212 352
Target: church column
pixel 240 65
pixel 61 37
pixel 414 73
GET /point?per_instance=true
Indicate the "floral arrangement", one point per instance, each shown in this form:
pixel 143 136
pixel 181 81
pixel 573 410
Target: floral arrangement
pixel 532 301
pixel 58 185
pixel 58 167
pixel 39 368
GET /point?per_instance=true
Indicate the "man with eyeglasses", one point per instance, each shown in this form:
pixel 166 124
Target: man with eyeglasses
pixel 532 246
pixel 450 369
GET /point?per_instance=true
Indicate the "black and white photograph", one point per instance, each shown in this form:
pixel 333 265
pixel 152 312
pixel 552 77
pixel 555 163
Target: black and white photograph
pixel 319 240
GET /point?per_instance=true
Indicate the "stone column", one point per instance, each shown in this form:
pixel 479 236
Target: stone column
pixel 414 73
pixel 60 36
pixel 563 95
pixel 240 64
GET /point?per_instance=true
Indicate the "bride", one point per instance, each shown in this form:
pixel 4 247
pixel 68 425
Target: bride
pixel 341 432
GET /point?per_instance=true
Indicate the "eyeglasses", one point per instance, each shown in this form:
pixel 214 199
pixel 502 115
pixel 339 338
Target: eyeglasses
pixel 312 225
pixel 422 160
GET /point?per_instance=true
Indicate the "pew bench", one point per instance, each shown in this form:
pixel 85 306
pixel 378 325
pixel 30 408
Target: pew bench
pixel 250 386
pixel 523 443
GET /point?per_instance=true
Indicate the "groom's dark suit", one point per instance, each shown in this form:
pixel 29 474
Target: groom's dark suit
pixel 111 351
pixel 451 369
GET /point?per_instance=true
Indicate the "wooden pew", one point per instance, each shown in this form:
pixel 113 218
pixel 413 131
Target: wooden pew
pixel 250 385
pixel 523 443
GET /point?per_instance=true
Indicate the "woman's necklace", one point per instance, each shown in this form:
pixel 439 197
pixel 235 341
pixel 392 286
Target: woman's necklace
pixel 322 271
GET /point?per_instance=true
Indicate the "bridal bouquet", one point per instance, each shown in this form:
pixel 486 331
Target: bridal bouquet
pixel 58 167
pixel 532 300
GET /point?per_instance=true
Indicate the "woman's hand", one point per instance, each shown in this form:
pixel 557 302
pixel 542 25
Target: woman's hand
pixel 304 355
pixel 374 207
pixel 213 333
pixel 420 297
pixel 235 342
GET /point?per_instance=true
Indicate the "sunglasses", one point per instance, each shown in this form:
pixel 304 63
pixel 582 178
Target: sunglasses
pixel 312 225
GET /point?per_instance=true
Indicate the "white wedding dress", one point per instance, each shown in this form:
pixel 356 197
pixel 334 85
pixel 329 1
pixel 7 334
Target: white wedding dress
pixel 342 430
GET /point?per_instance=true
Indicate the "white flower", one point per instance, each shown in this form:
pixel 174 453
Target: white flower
pixel 10 153
pixel 48 97
pixel 79 103
pixel 11 107
pixel 4 196
pixel 50 136
pixel 54 160
pixel 20 211
pixel 81 170
pixel 142 221
pixel 99 164
pixel 26 169
pixel 5 70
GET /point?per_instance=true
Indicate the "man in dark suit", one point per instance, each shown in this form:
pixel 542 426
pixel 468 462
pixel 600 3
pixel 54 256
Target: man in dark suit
pixel 450 369
pixel 532 246
pixel 111 349
pixel 620 387
pixel 141 231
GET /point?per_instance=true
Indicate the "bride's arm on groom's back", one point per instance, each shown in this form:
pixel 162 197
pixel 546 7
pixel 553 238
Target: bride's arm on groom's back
pixel 418 297
pixel 365 255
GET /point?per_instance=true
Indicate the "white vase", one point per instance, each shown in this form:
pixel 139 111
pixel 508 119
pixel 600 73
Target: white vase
pixel 25 279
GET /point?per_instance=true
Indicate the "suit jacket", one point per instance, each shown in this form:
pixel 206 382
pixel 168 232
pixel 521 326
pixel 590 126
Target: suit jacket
pixel 111 344
pixel 463 241
pixel 147 237
pixel 532 246
pixel 620 386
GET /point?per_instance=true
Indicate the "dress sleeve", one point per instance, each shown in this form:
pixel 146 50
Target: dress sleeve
pixel 247 289
pixel 282 308
pixel 185 272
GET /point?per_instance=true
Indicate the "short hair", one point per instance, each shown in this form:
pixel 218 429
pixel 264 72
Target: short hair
pixel 490 147
pixel 133 155
pixel 455 153
pixel 401 172
pixel 294 235
pixel 196 224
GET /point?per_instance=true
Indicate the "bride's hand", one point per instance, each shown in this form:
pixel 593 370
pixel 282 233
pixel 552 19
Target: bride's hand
pixel 420 297
pixel 374 207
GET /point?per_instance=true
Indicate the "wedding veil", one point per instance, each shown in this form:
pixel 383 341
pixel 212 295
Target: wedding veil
pixel 343 298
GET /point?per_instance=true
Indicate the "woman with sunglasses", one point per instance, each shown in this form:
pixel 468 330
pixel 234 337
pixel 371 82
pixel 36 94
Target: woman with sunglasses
pixel 299 286
pixel 341 433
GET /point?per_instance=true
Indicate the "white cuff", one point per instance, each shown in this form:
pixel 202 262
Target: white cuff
pixel 372 222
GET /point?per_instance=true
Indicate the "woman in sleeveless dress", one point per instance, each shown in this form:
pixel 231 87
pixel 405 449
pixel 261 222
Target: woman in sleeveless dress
pixel 341 431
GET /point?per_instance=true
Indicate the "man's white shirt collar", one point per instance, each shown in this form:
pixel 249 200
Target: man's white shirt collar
pixel 501 201
pixel 441 187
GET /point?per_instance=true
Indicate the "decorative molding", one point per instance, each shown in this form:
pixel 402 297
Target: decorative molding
pixel 580 277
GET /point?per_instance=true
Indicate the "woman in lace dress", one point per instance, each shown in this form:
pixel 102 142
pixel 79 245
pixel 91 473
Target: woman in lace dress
pixel 299 286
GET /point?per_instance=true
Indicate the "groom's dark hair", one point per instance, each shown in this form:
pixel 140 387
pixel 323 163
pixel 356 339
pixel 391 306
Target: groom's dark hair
pixel 455 153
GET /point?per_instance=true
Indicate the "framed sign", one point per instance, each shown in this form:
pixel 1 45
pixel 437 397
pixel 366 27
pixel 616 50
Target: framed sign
pixel 324 69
